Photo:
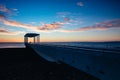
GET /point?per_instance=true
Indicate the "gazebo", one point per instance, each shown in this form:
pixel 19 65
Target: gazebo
pixel 35 36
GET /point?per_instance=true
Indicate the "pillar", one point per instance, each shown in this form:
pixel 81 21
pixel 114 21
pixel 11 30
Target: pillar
pixel 26 39
pixel 34 39
pixel 37 39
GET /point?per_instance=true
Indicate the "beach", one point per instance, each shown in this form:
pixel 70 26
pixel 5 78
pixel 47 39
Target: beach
pixel 25 64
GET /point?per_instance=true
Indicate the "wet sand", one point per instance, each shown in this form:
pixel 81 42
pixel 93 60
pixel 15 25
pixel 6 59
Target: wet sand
pixel 25 64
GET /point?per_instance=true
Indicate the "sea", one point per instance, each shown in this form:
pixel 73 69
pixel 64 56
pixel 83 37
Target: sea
pixel 12 45
pixel 105 45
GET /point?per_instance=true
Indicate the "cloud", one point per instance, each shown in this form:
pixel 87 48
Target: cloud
pixel 10 23
pixel 66 19
pixel 52 26
pixel 80 4
pixel 8 11
pixel 15 9
pixel 58 25
pixel 7 22
pixel 33 22
pixel 2 17
pixel 3 31
pixel 44 27
pixel 99 26
pixel 16 24
pixel 6 32
pixel 107 24
pixel 63 14
pixel 4 9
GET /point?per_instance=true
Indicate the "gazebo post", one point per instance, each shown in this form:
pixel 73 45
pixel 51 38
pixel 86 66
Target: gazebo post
pixel 38 39
pixel 34 39
pixel 24 40
pixel 27 39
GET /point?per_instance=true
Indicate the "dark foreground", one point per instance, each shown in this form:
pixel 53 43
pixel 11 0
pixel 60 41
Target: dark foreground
pixel 25 64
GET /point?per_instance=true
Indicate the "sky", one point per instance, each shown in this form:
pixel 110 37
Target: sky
pixel 60 20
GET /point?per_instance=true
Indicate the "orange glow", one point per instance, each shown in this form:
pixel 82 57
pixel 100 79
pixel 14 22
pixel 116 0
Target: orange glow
pixel 63 37
pixel 11 40
pixel 61 40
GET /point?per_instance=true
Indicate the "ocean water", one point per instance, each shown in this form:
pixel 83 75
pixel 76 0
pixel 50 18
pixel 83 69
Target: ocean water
pixel 102 45
pixel 12 45
pixel 105 45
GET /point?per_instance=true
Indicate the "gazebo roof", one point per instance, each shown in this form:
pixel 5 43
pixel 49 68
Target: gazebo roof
pixel 31 35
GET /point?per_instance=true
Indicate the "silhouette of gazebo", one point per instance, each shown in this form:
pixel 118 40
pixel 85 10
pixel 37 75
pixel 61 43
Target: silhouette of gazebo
pixel 35 36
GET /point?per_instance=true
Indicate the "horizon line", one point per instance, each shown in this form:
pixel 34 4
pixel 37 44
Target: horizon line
pixel 63 41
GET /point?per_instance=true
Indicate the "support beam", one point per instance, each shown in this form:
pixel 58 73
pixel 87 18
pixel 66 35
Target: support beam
pixel 37 39
pixel 34 39
pixel 27 39
pixel 24 40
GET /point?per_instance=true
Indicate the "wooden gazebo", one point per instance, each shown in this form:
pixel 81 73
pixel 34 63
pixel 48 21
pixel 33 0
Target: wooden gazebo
pixel 35 36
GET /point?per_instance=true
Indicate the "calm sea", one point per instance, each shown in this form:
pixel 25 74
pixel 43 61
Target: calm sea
pixel 12 45
pixel 108 45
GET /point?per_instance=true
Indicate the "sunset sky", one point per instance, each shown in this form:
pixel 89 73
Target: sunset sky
pixel 60 20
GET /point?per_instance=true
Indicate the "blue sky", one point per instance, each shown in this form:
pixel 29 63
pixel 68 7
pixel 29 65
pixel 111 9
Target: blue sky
pixel 60 20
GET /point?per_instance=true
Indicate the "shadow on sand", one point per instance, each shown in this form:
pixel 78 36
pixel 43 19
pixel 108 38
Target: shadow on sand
pixel 25 64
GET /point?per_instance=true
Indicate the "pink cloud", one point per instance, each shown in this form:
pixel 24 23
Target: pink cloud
pixel 8 11
pixel 63 14
pixel 80 4
pixel 52 26
pixel 7 22
pixel 16 24
pixel 4 9
pixel 2 17
pixel 99 26
pixel 44 27
pixel 3 31
pixel 7 32
pixel 102 26
pixel 66 19
pixel 57 25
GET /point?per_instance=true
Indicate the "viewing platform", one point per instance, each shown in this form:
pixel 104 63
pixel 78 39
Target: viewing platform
pixel 103 64
pixel 26 64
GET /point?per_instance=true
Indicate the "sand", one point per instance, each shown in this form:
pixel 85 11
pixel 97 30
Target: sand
pixel 25 64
